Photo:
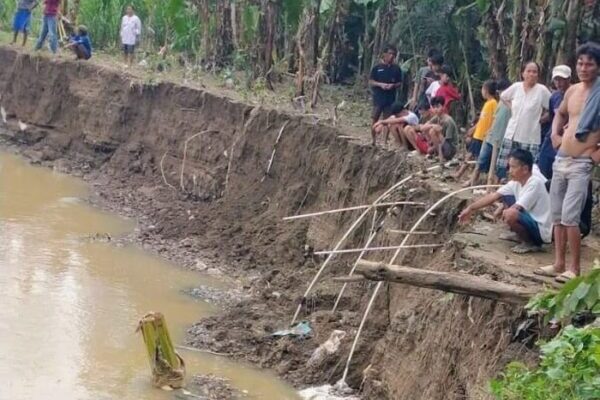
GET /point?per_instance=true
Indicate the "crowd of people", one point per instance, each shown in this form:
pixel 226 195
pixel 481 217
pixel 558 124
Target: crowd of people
pixel 78 41
pixel 540 146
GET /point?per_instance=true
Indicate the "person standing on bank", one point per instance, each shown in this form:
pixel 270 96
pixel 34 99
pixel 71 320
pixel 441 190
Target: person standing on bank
pixel 23 18
pixel 131 29
pixel 385 79
pixel 578 151
pixel 49 25
pixel 528 101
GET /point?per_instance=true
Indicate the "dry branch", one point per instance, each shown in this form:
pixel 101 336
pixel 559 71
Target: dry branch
pixel 453 282
pixel 318 213
pixel 162 172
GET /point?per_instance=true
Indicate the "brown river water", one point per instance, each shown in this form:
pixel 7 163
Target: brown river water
pixel 69 305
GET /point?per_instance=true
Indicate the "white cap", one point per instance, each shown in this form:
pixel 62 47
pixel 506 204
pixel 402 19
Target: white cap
pixel 561 71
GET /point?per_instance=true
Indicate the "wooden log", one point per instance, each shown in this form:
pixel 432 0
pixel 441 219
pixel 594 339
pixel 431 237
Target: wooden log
pixel 453 282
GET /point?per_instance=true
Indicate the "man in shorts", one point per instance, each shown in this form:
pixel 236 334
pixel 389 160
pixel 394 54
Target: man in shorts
pixel 385 79
pixel 23 19
pixel 576 155
pixel 527 201
pixel 396 123
pixel 131 28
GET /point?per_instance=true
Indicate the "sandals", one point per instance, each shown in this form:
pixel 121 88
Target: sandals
pixel 509 236
pixel 524 248
pixel 548 271
pixel 565 277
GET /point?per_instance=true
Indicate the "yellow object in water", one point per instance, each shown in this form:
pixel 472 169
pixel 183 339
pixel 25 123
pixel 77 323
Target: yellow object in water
pixel 168 368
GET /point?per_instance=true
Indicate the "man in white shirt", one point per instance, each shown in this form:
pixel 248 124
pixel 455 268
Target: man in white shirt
pixel 131 28
pixel 528 213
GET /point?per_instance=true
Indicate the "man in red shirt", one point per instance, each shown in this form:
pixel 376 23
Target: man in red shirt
pixel 447 90
pixel 49 25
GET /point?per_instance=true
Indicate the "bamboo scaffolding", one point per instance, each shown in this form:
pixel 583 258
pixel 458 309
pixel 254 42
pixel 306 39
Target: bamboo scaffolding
pixel 353 208
pixel 342 240
pixel 391 262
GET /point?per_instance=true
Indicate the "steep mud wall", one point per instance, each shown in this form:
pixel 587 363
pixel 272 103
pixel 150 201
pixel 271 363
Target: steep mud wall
pixel 418 345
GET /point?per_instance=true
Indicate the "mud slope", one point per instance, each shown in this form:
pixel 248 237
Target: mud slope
pixel 126 135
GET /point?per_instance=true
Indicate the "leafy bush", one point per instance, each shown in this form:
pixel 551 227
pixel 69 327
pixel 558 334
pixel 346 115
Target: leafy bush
pixel 568 370
pixel 578 295
pixel 570 363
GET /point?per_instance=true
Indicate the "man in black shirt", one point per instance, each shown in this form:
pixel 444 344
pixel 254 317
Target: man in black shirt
pixel 385 78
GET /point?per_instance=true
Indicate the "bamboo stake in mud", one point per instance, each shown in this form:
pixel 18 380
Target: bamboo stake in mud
pixel 339 244
pixel 393 259
pixel 168 368
pixel 275 149
pixel 353 208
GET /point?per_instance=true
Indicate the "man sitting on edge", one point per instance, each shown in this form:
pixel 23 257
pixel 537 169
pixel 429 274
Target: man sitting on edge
pixel 528 204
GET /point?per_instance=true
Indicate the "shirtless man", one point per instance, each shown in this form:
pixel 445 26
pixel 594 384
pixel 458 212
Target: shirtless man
pixel 572 167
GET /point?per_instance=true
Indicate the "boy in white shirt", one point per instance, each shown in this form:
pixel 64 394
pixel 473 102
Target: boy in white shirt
pixel 131 28
pixel 528 213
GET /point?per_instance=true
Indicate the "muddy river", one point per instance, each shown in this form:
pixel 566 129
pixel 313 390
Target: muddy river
pixel 69 303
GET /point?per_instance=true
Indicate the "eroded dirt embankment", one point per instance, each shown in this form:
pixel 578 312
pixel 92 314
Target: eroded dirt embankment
pixel 128 138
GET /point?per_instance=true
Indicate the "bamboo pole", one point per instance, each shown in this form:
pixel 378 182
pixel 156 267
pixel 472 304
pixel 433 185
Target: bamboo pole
pixel 400 232
pixel 460 283
pixel 410 246
pixel 353 208
pixel 342 240
pixel 393 259
pixel 372 235
pixel 275 149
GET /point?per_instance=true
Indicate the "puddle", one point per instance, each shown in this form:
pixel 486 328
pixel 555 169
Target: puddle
pixel 70 305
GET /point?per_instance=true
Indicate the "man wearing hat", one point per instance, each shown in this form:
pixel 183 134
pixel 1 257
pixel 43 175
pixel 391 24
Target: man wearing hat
pixel 561 78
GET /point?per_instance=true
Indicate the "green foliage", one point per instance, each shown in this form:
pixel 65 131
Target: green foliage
pixel 577 295
pixel 568 370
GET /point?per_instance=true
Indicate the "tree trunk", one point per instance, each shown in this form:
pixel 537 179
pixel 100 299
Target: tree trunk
pixel 453 282
pixel 224 38
pixel 566 54
pixel 494 40
pixel 205 21
pixel 234 25
pixel 514 53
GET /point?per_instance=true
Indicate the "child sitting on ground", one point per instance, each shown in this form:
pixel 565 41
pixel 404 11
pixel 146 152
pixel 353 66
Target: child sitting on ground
pixel 395 124
pixel 475 138
pixel 440 132
pixel 81 44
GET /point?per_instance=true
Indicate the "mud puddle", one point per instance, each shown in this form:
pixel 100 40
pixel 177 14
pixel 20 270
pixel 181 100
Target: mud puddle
pixel 71 299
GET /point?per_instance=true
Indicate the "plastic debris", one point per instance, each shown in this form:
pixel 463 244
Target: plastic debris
pixel 300 329
pixel 327 392
pixel 330 346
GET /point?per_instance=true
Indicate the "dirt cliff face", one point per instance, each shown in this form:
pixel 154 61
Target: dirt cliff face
pixel 195 165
